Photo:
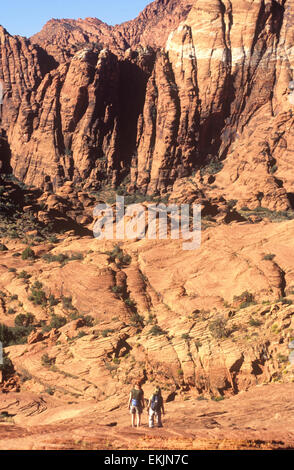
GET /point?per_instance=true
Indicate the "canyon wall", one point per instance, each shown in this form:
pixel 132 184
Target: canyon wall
pixel 184 87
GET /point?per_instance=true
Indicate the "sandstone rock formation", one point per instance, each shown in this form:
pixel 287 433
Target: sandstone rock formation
pixel 218 86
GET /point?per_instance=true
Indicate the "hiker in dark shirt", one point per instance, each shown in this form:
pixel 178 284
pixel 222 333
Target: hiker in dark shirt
pixel 155 408
pixel 136 403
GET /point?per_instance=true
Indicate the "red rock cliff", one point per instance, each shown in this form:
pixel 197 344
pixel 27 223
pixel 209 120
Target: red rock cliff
pixel 214 87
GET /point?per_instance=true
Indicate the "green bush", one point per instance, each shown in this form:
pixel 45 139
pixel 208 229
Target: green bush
pixel 28 254
pixel 24 275
pixel 218 328
pixel 117 289
pixel 38 296
pixel 67 303
pixel 156 331
pixel 52 301
pixel 89 321
pixel 62 258
pixel 57 321
pixel 47 361
pixel 253 322
pixel 118 255
pixel 24 319
pixel 7 367
pixel 286 301
pixel 81 334
pixel 246 299
pixel 269 257
pixel 105 333
pixel 186 336
pixel 129 302
pixel 137 319
pixel 10 336
pixel 214 167
pixel 3 247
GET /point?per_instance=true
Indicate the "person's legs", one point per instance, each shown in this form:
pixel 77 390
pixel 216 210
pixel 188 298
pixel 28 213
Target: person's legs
pixel 133 413
pixel 138 419
pixel 159 422
pixel 151 418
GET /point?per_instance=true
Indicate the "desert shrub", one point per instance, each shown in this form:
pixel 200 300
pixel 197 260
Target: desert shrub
pixel 286 301
pixel 38 285
pixel 117 289
pixel 74 315
pixel 61 258
pixel 81 334
pixel 67 303
pixel 20 334
pixel 24 275
pixel 47 361
pixel 89 321
pixel 24 319
pixel 57 321
pixel 38 296
pixel 246 299
pixel 10 311
pixel 25 375
pixel 219 398
pixel 5 334
pixel 129 302
pixel 105 333
pixel 218 328
pixel 28 254
pixel 137 319
pixel 186 336
pixel 6 367
pixel 3 247
pixel 232 203
pixel 52 300
pixel 117 254
pixel 10 336
pixel 52 239
pixel 214 167
pixel 253 322
pixel 283 358
pixel 269 257
pixel 156 331
pixel 110 366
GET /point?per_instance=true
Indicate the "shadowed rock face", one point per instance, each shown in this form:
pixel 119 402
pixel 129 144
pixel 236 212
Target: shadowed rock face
pixel 184 85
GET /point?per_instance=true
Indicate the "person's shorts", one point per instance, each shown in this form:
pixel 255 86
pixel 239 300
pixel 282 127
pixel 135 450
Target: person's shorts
pixel 136 410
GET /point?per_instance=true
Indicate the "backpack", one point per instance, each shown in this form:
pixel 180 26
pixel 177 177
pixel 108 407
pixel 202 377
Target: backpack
pixel 136 396
pixel 155 404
